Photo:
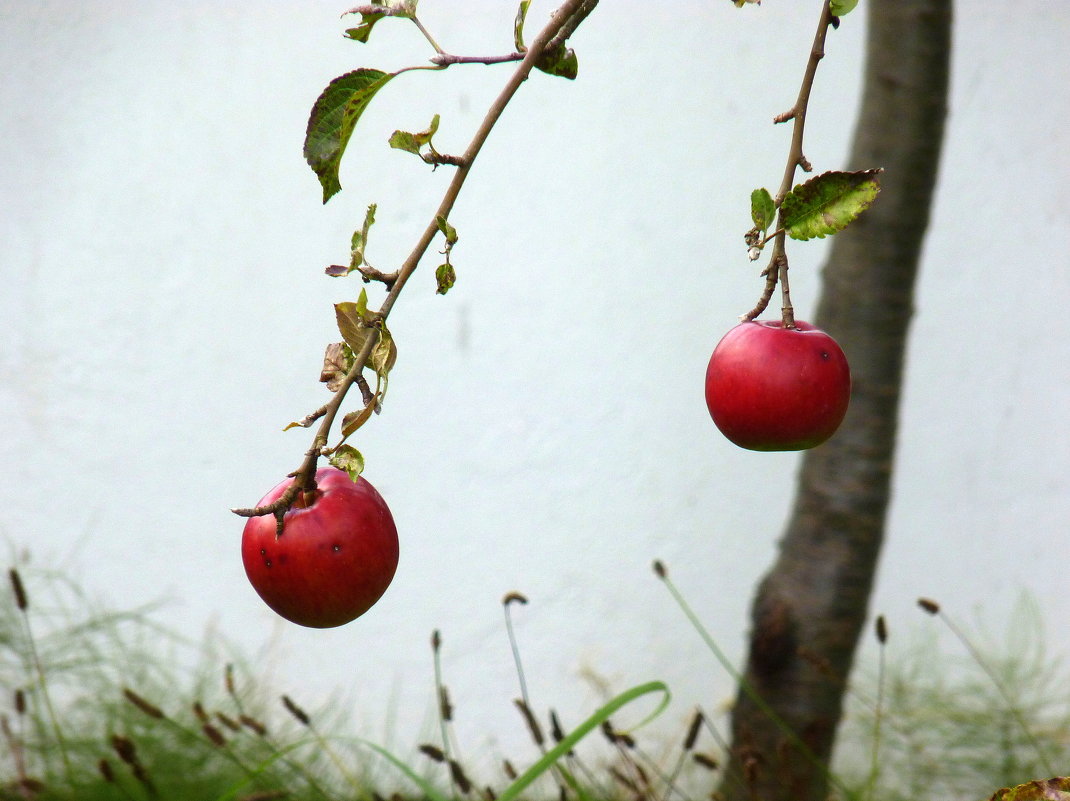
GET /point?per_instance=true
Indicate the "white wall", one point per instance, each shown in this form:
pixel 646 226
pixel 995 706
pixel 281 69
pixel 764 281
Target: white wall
pixel 164 314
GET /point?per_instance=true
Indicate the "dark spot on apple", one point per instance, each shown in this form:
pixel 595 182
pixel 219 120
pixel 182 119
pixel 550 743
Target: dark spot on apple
pixel 825 355
pixel 267 563
pixel 336 547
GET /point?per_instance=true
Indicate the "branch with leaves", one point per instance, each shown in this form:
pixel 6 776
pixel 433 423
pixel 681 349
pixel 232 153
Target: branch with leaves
pixel 815 209
pixel 367 343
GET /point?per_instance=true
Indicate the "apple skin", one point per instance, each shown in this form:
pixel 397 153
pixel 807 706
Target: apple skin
pixel 770 388
pixel 336 555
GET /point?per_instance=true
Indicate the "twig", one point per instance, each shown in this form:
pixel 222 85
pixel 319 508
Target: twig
pixel 777 271
pixel 445 59
pixel 772 275
pixel 571 23
pixel 564 20
pixel 437 158
pixel 379 10
pixel 372 274
pixel 426 34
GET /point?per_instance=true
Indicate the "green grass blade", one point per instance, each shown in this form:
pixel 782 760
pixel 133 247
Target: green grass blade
pixel 544 764
pixel 597 719
pixel 261 768
pixel 425 786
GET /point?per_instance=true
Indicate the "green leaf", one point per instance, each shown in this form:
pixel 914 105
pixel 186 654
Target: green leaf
pixel 446 277
pixel 403 140
pixel 362 304
pixel 364 30
pixel 840 7
pixel 828 203
pixel 348 458
pixel 369 18
pixel 360 241
pixel 333 118
pixel 762 208
pixel 412 142
pixel 560 61
pixel 447 230
pixel 518 26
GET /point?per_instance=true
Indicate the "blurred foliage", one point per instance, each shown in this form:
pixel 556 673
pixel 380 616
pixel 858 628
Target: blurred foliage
pixel 108 705
pixel 946 730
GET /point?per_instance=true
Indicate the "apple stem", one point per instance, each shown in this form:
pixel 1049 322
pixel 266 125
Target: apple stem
pixel 787 312
pixel 295 495
pixel 771 273
pixel 776 272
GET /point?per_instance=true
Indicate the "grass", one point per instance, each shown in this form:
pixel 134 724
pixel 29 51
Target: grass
pixel 100 707
pixel 106 705
pixel 990 712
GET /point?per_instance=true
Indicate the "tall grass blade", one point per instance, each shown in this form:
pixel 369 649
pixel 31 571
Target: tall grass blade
pixel 743 684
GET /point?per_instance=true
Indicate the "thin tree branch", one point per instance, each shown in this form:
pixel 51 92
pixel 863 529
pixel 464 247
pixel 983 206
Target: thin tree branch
pixel 426 33
pixel 777 271
pixel 564 20
pixel 571 23
pixel 445 59
pixel 371 274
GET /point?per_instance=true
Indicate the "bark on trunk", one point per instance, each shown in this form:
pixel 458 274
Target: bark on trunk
pixel 811 607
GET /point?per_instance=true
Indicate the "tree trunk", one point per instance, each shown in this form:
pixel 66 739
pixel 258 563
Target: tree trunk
pixel 811 607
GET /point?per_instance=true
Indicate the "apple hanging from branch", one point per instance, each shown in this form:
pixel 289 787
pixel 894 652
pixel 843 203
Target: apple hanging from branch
pixel 770 388
pixel 321 547
pixel 335 557
pixel 785 385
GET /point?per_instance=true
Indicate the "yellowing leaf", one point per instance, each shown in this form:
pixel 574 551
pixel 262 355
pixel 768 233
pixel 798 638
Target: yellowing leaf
pixel 518 26
pixel 336 363
pixel 762 208
pixel 828 203
pixel 351 325
pixel 560 61
pixel 384 354
pixel 412 142
pixel 446 277
pixel 354 420
pixel 447 230
pixel 1057 789
pixel 349 459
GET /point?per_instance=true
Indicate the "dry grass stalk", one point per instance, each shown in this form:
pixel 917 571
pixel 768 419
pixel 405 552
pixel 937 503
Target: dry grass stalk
pixel 145 706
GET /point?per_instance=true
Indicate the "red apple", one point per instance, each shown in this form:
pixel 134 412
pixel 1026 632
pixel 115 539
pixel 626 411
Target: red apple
pixel 770 388
pixel 335 558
